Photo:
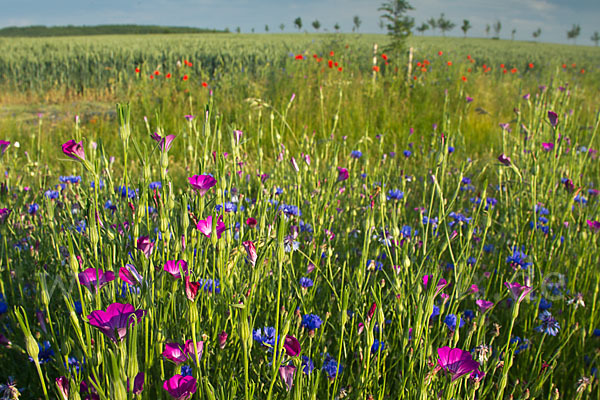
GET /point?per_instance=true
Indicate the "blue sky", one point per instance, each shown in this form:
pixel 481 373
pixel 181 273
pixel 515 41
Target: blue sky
pixel 554 17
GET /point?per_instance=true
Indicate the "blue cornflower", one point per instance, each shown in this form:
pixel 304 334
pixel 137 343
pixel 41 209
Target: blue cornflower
pixel 3 305
pixel 266 336
pixel 545 304
pixel 395 194
pixel 580 199
pixel 356 154
pixel 305 227
pixel 466 181
pixel 549 324
pixel 488 248
pixel 93 184
pixel 435 313
pixel 307 365
pixel 407 153
pixel 458 218
pixel 155 185
pixel 491 202
pixel 518 258
pixel 78 307
pixel 407 231
pixel 306 282
pixel 210 286
pixel 432 221
pixel 311 322
pixel 278 190
pixel 541 210
pixel 126 192
pixel 110 206
pixel 51 194
pixel 377 345
pixel 186 370
pixel 74 362
pixel 69 179
pixel 450 320
pixel 374 265
pixel 523 344
pixel 469 315
pixel 331 367
pixel 33 208
pixel 81 226
pixel 46 353
pixel 290 210
pixel 597 332
pixel 471 261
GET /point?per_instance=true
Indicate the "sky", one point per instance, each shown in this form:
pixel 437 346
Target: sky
pixel 553 17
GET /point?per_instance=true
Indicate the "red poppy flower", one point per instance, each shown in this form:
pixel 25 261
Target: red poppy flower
pixel 375 68
pixel 564 65
pixel 440 53
pixel 314 56
pixel 340 69
pixel 504 71
pixel 137 70
pixel 299 57
pixel 449 63
pixel 582 71
pixel 424 69
pixel 330 63
pixel 573 65
pixel 168 75
pixel 514 70
pixel 419 64
pixel 331 53
pixel 468 57
pixel 151 76
pixel 530 65
pixel 335 63
pixel 415 77
pixel 464 78
pixel 501 65
pixel 469 70
pixel 185 78
pixel 157 72
pixel 204 84
pixel 384 56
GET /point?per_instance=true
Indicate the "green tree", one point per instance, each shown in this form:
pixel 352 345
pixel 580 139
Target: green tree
pixel 497 29
pixel 238 29
pixel 432 23
pixel 336 27
pixel 422 28
pixel 596 38
pixel 282 26
pixel 444 24
pixel 298 23
pixel 316 24
pixel 466 26
pixel 357 22
pixel 399 24
pixel 512 34
pixel 536 34
pixel 266 28
pixel 487 30
pixel 574 32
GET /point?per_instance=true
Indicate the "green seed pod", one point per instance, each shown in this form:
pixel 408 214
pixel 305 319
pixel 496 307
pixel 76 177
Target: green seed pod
pixel 406 262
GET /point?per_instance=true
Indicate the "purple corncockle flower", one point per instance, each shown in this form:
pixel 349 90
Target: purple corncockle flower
pixel 342 174
pixel 291 346
pixel 130 275
pixel 547 146
pixel 238 135
pixel 505 126
pixel 191 288
pixel 286 372
pixel 455 361
pixel 138 383
pixel 189 118
pixel 175 352
pixel 251 252
pixel 4 214
pixel 504 159
pixel 205 226
pixel 553 117
pixel 175 267
pixel 96 278
pixel 484 305
pixel 526 96
pixel 145 245
pixel 202 183
pixel 163 142
pixel 469 99
pixel 294 164
pixel 115 320
pixel 3 146
pixel 594 225
pixel 518 291
pixel 191 352
pixel 222 339
pixel 74 150
pixel 180 387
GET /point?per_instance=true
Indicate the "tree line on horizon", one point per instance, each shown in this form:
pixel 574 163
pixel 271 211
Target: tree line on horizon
pixel 72 30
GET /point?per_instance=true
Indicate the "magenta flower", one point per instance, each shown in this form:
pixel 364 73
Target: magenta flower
pixel 63 387
pixel 594 225
pixel 342 174
pixel 456 362
pixel 504 159
pixel 4 213
pixel 202 183
pixel 3 146
pixel 115 320
pixel 145 245
pixel 222 339
pixel 291 346
pixel 205 226
pixel 74 150
pixel 469 99
pixel 553 117
pixel 518 291
pixel 175 267
pixel 251 252
pixel 548 146
pixel 294 164
pixel 130 275
pixel 191 288
pixel 175 352
pixel 190 351
pixel 180 387
pixel 163 142
pixel 286 372
pixel 96 278
pixel 484 305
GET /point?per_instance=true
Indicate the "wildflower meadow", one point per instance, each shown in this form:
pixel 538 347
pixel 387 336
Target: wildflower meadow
pixel 309 218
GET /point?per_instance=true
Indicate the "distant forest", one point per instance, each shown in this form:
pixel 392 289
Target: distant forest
pixel 70 30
